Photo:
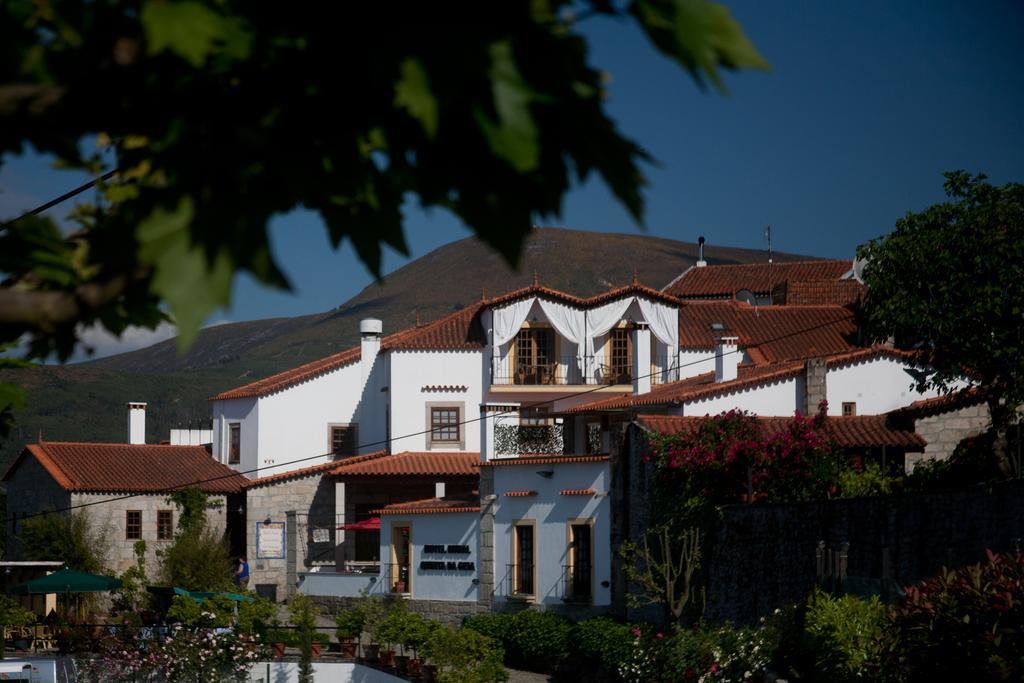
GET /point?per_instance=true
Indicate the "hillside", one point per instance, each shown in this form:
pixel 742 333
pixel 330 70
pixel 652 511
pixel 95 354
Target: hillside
pixel 86 401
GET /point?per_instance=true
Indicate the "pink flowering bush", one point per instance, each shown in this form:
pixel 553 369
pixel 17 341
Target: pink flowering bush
pixel 729 457
pixel 184 653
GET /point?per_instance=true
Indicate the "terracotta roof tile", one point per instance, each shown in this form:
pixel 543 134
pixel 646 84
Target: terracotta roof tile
pixel 544 460
pixel 777 332
pixel 942 404
pixel 289 378
pixel 854 431
pixel 835 292
pixel 749 376
pixel 759 278
pixel 430 463
pixel 460 330
pixel 130 468
pixel 577 492
pixel 303 472
pixel 428 506
pixel 634 289
pixel 520 494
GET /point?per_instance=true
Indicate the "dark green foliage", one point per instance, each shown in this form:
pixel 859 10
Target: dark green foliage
pixel 600 646
pixel 303 617
pixel 948 283
pixel 350 623
pixel 70 538
pixel 464 656
pixel 973 461
pixel 869 480
pixel 964 624
pixel 12 615
pixel 132 598
pixel 531 638
pixel 199 558
pixel 492 114
pixel 843 636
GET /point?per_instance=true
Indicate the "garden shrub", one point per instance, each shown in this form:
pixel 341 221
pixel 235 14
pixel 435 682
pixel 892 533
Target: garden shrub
pixel 532 639
pixel 496 625
pixel 973 461
pixel 843 635
pixel 464 656
pixel 601 645
pixel 868 480
pixel 964 624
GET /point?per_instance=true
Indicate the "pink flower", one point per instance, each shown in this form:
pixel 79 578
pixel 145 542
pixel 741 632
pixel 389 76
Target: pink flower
pixel 714 667
pixel 636 631
pixel 659 634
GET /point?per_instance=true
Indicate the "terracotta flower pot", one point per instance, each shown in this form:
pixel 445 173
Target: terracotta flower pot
pixel 316 649
pixel 414 667
pixel 372 652
pixel 348 647
pixel 429 673
pixel 401 663
pixel 279 649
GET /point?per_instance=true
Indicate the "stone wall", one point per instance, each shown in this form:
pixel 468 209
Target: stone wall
pixel 764 556
pixel 943 432
pixel 311 498
pixel 107 511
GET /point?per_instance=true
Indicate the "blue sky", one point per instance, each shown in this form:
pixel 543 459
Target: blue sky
pixel 867 104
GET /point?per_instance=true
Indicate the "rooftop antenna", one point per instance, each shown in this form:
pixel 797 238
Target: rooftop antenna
pixel 768 236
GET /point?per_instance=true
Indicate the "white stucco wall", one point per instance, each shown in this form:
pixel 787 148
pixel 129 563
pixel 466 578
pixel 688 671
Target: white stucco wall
pixel 412 373
pixel 552 513
pixel 781 398
pixel 877 386
pixel 460 528
pixel 246 412
pixel 696 362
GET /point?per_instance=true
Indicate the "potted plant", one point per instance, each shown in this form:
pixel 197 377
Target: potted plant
pixel 304 617
pixel 350 624
pixel 374 612
pixel 319 642
pixel 390 634
pixel 417 631
pixel 277 637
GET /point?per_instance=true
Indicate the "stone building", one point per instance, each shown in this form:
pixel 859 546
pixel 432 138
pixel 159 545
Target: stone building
pixel 123 488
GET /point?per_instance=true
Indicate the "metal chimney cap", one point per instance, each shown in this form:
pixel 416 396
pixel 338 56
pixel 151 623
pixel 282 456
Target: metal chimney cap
pixel 371 326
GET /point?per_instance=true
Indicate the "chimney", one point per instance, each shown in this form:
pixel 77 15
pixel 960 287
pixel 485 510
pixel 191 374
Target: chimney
pixel 700 253
pixel 727 357
pixel 370 331
pixel 816 387
pixel 136 423
pixel 438 489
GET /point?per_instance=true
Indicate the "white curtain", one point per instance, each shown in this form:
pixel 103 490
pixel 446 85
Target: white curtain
pixel 664 322
pixel 508 320
pixel 569 322
pixel 599 321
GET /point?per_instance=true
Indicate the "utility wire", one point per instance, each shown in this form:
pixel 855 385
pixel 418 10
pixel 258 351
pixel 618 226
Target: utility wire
pixel 385 442
pixel 64 197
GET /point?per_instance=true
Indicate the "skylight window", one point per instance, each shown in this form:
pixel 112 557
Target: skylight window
pixel 718 327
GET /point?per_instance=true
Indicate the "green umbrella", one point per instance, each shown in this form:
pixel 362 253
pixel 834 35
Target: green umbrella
pixel 200 596
pixel 67 581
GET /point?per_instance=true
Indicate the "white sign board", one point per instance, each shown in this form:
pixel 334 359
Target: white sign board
pixel 269 540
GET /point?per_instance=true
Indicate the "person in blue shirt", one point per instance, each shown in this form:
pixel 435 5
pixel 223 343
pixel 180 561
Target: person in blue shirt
pixel 242 573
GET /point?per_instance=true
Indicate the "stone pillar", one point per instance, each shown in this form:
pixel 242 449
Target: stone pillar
pixel 291 574
pixel 816 389
pixel 488 499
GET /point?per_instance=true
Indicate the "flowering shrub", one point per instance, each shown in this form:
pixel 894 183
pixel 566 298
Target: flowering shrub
pixel 843 635
pixel 184 653
pixel 964 624
pixel 729 456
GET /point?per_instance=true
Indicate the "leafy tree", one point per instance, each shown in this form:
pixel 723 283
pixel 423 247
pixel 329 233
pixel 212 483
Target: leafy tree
pixel 199 558
pixel 948 284
pixel 132 597
pixel 219 114
pixel 70 538
pixel 12 615
pixel 304 614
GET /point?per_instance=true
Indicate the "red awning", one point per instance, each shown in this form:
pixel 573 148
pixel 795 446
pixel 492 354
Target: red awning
pixel 371 524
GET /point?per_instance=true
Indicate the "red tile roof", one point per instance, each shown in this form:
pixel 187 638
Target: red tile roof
pixel 428 506
pixel 777 332
pixel 634 289
pixel 460 330
pixel 577 492
pixel 293 474
pixel 543 460
pixel 942 404
pixel 749 376
pixel 835 292
pixel 520 494
pixel 759 278
pixel 289 378
pixel 430 463
pixel 857 431
pixel 130 468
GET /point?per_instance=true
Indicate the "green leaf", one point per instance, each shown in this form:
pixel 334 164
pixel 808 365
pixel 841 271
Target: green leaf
pixel 192 284
pixel 413 93
pixel 514 137
pixel 189 29
pixel 701 35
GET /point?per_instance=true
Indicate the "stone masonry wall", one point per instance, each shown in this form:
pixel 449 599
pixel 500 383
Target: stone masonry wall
pixel 764 556
pixel 108 512
pixel 312 498
pixel 943 432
